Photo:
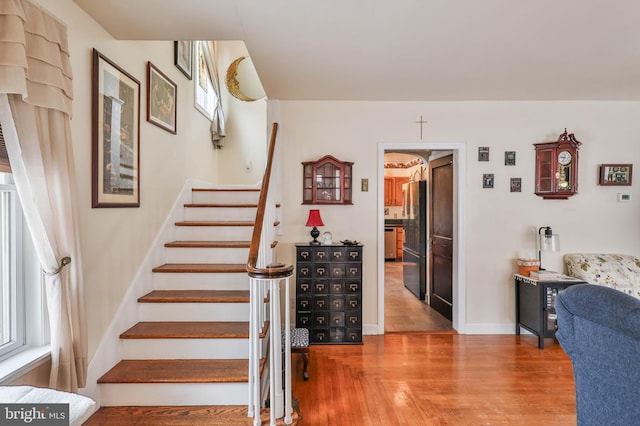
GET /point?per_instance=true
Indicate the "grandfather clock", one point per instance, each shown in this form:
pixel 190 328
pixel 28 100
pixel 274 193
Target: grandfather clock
pixel 557 167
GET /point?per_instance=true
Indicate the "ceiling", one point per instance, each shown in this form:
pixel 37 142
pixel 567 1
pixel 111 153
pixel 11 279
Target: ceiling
pixel 409 50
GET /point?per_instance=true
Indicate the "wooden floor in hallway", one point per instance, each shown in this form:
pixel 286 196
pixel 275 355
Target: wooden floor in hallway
pixel 402 310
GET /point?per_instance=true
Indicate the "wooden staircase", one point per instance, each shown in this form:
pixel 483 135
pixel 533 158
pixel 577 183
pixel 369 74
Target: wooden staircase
pixel 190 347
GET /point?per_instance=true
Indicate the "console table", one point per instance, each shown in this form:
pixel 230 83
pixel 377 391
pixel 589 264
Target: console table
pixel 535 304
pixel 329 292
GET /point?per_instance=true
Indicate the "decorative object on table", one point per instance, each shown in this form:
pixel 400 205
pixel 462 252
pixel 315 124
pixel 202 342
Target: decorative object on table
pixel 515 184
pixel 483 153
pixel 161 99
pixel 487 180
pixel 327 238
pixel 557 167
pixel 327 181
pixel 205 97
pixel 547 241
pixel 544 274
pixel 616 174
pixel 183 57
pixel 115 177
pixel 526 266
pixel 314 220
pixel 509 158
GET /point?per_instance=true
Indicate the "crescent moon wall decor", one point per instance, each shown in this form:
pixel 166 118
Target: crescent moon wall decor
pixel 242 81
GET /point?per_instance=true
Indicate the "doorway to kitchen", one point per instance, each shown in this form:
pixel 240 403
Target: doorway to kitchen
pixel 404 307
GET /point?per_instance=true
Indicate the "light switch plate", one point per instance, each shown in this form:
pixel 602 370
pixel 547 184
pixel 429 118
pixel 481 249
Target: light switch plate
pixel 624 197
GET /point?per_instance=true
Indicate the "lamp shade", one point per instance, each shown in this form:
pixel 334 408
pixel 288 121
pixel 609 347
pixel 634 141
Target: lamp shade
pixel 314 218
pixel 548 240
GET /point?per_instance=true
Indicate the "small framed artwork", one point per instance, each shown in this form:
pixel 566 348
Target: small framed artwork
pixel 483 153
pixel 183 57
pixel 205 95
pixel 516 184
pixel 161 99
pixel 115 168
pixel 616 174
pixel 487 180
pixel 509 158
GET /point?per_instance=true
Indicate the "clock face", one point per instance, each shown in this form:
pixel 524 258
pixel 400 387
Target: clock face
pixel 564 158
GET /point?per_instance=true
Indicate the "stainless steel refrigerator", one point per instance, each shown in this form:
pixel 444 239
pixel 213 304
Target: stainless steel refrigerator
pixel 415 247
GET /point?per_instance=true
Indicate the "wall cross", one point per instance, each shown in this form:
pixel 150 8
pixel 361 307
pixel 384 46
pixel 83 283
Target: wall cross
pixel 422 123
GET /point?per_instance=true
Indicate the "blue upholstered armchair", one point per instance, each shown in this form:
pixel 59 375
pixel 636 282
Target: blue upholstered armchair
pixel 599 328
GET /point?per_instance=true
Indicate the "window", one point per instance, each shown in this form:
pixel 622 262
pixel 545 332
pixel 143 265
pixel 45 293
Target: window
pixel 11 293
pixel 23 319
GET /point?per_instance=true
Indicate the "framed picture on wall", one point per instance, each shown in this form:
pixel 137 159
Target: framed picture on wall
pixel 115 169
pixel 205 95
pixel 487 180
pixel 183 57
pixel 616 174
pixel 161 99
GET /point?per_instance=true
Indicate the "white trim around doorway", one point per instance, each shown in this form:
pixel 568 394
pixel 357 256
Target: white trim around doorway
pixel 459 225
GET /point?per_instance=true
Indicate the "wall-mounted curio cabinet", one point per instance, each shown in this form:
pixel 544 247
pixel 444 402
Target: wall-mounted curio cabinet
pixel 327 181
pixel 557 167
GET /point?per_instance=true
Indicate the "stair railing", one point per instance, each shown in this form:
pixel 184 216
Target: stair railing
pixel 266 279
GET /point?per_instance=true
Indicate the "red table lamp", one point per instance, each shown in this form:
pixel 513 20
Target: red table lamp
pixel 314 220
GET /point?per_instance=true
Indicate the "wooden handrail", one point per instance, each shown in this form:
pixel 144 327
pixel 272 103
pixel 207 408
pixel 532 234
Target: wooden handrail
pixel 277 269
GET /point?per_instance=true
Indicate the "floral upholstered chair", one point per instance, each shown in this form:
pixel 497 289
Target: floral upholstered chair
pixel 618 271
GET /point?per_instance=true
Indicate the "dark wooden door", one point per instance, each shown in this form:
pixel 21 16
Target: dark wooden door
pixel 441 231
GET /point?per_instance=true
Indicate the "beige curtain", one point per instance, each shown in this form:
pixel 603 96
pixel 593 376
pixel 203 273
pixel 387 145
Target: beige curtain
pixel 35 109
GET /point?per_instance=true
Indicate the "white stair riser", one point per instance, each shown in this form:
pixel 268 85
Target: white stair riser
pixel 206 255
pixel 225 197
pixel 172 394
pixel 185 348
pixel 200 281
pixel 219 213
pixel 214 233
pixel 194 312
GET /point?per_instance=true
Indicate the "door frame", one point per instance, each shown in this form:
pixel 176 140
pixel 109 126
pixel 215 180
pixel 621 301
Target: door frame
pixel 459 224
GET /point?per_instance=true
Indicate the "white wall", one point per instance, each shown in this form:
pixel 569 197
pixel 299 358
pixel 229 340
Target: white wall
pixel 246 141
pixel 499 224
pixel 115 240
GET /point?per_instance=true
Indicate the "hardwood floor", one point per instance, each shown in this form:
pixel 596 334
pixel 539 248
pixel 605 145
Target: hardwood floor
pixel 417 378
pixel 409 377
pixel 438 378
pixel 402 310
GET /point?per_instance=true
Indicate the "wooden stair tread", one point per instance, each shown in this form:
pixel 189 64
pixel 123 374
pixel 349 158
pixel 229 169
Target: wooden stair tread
pixel 178 371
pixel 186 415
pixel 188 330
pixel 201 267
pixel 196 296
pixel 209 244
pixel 219 205
pixel 215 223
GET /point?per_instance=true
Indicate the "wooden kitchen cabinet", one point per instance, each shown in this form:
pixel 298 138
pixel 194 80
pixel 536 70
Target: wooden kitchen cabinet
pixel 399 242
pixel 393 190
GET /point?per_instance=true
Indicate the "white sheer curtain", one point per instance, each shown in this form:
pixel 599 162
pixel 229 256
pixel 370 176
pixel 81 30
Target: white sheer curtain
pixel 218 132
pixel 35 109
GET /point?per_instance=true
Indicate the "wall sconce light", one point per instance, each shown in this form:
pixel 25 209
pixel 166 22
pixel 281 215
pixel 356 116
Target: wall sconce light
pixel 314 220
pixel 547 241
